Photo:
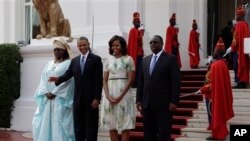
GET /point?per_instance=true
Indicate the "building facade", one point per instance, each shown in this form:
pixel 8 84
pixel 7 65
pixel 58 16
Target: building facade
pixel 98 20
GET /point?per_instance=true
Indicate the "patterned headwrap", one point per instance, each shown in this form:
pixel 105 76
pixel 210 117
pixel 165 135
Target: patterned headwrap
pixel 63 44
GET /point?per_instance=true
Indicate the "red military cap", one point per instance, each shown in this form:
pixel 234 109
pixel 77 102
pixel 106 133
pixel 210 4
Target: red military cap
pixel 136 16
pixel 194 22
pixel 240 11
pixel 173 17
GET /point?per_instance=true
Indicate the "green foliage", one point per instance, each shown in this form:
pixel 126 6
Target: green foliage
pixel 10 60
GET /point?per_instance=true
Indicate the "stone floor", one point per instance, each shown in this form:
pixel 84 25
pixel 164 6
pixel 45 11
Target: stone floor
pixel 6 135
pixel 10 135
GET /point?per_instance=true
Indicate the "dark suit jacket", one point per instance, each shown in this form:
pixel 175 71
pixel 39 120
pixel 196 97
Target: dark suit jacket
pixel 162 87
pixel 89 85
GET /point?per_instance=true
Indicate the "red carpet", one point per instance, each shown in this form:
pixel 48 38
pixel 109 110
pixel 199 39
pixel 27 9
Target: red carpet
pixel 191 81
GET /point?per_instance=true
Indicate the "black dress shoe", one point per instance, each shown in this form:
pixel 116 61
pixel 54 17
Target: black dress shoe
pixel 240 86
pixel 210 138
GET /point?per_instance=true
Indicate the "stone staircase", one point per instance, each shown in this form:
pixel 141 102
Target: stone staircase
pixel 196 126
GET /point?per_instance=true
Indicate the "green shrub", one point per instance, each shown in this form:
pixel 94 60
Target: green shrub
pixel 10 59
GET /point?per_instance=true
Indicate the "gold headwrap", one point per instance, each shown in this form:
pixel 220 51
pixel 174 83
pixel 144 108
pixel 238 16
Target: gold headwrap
pixel 63 44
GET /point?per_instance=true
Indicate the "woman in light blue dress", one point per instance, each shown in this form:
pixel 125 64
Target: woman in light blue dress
pixel 118 105
pixel 53 119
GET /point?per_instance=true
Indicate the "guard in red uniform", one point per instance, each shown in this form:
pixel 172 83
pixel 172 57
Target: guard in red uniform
pixel 219 93
pixel 241 32
pixel 172 43
pixel 135 44
pixel 193 46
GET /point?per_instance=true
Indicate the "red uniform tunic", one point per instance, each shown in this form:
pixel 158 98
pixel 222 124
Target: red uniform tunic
pixel 222 99
pixel 193 47
pixel 241 31
pixel 206 89
pixel 135 44
pixel 172 42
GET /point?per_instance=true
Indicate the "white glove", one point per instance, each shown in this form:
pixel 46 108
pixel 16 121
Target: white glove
pixel 209 60
pixel 142 27
pixel 228 51
pixel 234 22
pixel 198 92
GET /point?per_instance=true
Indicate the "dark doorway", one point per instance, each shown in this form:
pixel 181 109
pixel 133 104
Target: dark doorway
pixel 219 13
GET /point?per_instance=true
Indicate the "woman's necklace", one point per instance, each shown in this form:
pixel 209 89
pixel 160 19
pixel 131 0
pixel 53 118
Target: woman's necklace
pixel 56 63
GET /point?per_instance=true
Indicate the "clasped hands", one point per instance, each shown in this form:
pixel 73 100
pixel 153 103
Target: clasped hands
pixel 114 101
pixel 50 96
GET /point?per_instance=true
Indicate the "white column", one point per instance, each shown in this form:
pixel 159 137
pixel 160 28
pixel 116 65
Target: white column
pixel 173 7
pixel 156 20
pixel 2 23
pixel 246 46
pixel 203 27
pixel 10 21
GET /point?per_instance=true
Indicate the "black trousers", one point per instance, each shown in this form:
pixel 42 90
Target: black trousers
pixel 157 124
pixel 137 69
pixel 209 110
pixel 85 123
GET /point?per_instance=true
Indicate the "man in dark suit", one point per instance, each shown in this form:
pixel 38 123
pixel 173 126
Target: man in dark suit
pixel 87 71
pixel 158 92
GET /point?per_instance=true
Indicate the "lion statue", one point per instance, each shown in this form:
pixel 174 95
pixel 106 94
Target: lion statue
pixel 52 22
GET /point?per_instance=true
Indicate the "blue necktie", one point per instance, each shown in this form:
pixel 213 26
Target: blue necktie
pixel 82 64
pixel 152 64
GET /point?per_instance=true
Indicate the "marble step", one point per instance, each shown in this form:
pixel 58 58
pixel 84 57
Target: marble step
pixel 195 134
pixel 237 101
pixel 233 121
pixel 103 135
pixel 190 139
pixel 202 114
pixel 195 139
pixel 197 123
pixel 238 107
pixel 241 100
pixel 241 93
pixel 203 123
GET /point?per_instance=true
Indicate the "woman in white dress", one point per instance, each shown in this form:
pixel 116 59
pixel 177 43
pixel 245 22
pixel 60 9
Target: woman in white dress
pixel 53 119
pixel 118 105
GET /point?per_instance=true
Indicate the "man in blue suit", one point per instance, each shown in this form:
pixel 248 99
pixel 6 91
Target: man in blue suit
pixel 87 71
pixel 158 92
